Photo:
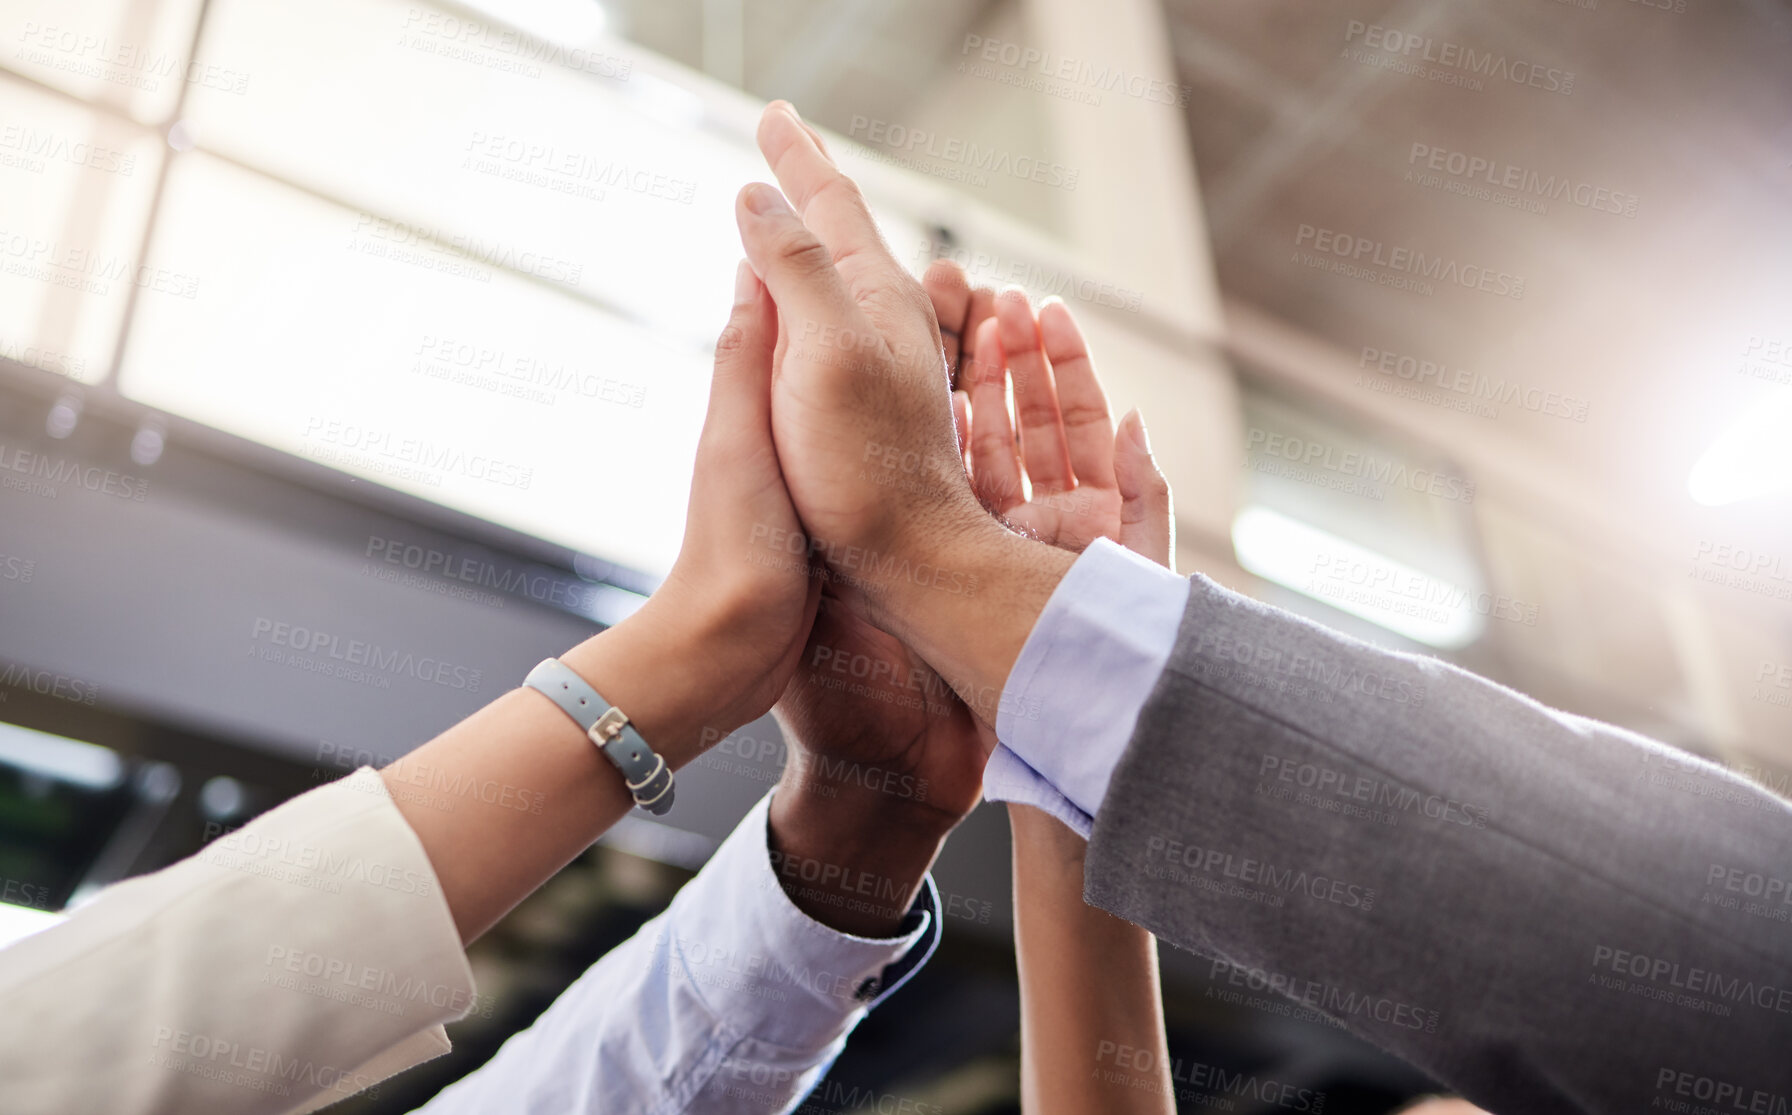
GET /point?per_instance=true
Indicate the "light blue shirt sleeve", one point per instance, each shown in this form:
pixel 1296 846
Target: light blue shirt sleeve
pixel 1075 692
pixel 733 1000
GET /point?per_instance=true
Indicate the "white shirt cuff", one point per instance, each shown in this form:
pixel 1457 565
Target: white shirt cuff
pixel 771 970
pixel 1086 670
pixel 1009 778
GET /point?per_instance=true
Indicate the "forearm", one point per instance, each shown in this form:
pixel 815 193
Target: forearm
pixel 971 617
pixel 753 1002
pixel 545 792
pixel 710 649
pixel 489 855
pixel 851 859
pixel 1092 1028
pixel 1506 896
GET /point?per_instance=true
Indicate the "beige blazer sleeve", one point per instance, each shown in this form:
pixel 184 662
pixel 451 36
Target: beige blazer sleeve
pixel 300 959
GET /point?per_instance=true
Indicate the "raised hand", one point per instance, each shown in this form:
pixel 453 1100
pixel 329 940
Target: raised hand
pixel 709 651
pixel 863 421
pixel 1066 442
pixel 750 617
pixel 1087 481
pixel 1088 980
pixel 878 742
pixel 861 408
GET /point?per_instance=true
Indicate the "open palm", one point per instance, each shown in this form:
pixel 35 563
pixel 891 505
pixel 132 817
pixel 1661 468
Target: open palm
pixel 1068 478
pixel 865 709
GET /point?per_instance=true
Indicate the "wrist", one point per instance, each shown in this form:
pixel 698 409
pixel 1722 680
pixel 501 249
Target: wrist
pixel 970 614
pixel 650 671
pixel 853 865
pixel 1045 846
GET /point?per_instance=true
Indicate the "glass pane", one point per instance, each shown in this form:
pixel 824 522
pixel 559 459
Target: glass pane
pixel 1361 524
pixel 573 164
pixel 131 55
pixel 353 342
pixel 75 191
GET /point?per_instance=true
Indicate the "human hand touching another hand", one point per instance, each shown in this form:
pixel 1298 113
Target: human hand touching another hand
pixel 862 418
pixel 1069 477
pixel 858 365
pixel 1086 977
pixel 709 651
pixel 722 636
pixel 884 759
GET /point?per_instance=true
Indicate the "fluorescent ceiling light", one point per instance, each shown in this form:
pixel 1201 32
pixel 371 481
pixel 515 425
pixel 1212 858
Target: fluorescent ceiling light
pixel 1750 459
pixel 67 760
pixel 1356 579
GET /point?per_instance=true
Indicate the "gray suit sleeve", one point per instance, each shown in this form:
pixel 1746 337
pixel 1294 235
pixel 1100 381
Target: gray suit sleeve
pixel 1545 913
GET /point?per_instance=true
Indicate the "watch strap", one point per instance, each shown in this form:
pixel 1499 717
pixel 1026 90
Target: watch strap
pixel 644 771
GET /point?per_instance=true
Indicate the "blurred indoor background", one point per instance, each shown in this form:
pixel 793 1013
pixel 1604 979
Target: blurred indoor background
pixel 1466 328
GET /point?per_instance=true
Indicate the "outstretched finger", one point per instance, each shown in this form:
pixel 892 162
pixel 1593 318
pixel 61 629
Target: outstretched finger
pixel 1082 406
pixel 831 205
pixel 1035 399
pixel 995 462
pixel 740 393
pixel 982 308
pixel 795 267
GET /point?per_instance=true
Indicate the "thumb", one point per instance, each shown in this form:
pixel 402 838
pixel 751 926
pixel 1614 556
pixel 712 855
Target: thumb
pixel 1147 526
pixel 740 392
pixel 798 269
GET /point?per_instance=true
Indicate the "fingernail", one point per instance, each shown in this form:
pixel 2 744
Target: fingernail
pixel 1135 430
pixel 766 201
pixel 746 283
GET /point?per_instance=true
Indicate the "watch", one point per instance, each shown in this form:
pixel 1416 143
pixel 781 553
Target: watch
pixel 644 771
